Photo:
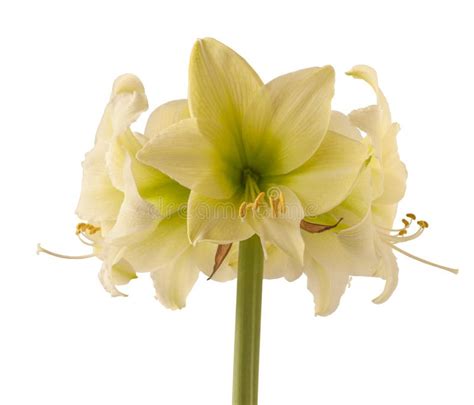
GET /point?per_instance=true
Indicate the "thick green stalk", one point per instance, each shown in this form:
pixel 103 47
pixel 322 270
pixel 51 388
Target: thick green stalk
pixel 247 322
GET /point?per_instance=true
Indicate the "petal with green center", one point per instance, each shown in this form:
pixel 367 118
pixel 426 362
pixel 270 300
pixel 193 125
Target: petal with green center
pixel 221 86
pixel 166 242
pixel 184 154
pixel 328 177
pixel 287 121
pixel 166 195
pixel 216 220
pixel 174 281
pixel 136 217
pixel 166 115
pixel 283 229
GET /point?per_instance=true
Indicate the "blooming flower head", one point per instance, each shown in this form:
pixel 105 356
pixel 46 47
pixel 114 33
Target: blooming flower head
pixel 257 158
pixel 238 158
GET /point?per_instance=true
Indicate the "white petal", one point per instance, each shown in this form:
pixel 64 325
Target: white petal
pixel 388 270
pixel 203 254
pixel 163 245
pixel 99 201
pixel 279 264
pixel 166 115
pixel 115 270
pixel 216 220
pixel 174 281
pixel 342 125
pixel 326 285
pixel 282 230
pixel 369 75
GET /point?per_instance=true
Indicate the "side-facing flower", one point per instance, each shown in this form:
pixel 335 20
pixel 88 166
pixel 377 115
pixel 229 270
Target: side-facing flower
pixel 135 215
pixel 255 156
pixel 363 244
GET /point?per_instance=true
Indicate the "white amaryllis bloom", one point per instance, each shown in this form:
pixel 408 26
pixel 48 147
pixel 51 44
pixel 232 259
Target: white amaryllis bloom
pixel 257 158
pixel 134 213
pixel 363 243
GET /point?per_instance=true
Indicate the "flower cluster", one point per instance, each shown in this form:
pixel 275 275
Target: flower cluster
pixel 238 158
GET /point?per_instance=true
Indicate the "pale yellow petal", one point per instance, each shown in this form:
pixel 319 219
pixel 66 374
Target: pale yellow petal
pixel 136 217
pixel 282 230
pixel 216 220
pixel 287 121
pixel 174 281
pixel 184 154
pixel 203 254
pixel 328 177
pixel 388 270
pixel 166 115
pixel 166 242
pixel 326 284
pixel 341 124
pixel 221 86
pixel 99 201
pixel 369 75
pixel 278 264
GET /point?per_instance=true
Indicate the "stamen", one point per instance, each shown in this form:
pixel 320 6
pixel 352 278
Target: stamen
pixel 86 228
pixel 40 249
pixel 401 238
pixel 450 269
pixel 243 210
pixel 81 237
pixel 273 207
pixel 282 203
pixel 259 199
pixel 411 216
pixel 423 224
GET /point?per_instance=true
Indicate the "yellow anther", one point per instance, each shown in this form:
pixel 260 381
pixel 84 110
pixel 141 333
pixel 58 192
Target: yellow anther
pixel 273 206
pixel 86 228
pixel 423 224
pixel 402 232
pixel 281 202
pixel 259 199
pixel 411 216
pixel 242 210
pixel 406 223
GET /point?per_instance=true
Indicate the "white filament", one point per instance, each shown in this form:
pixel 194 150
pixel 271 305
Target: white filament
pixel 40 249
pixel 455 271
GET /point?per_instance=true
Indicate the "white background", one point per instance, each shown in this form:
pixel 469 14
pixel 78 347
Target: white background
pixel 63 340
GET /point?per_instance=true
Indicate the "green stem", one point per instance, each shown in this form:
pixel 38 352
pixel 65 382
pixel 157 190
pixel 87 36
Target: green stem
pixel 247 322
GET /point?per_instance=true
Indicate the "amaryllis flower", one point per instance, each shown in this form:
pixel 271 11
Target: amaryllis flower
pixel 257 158
pixel 135 215
pixel 363 243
